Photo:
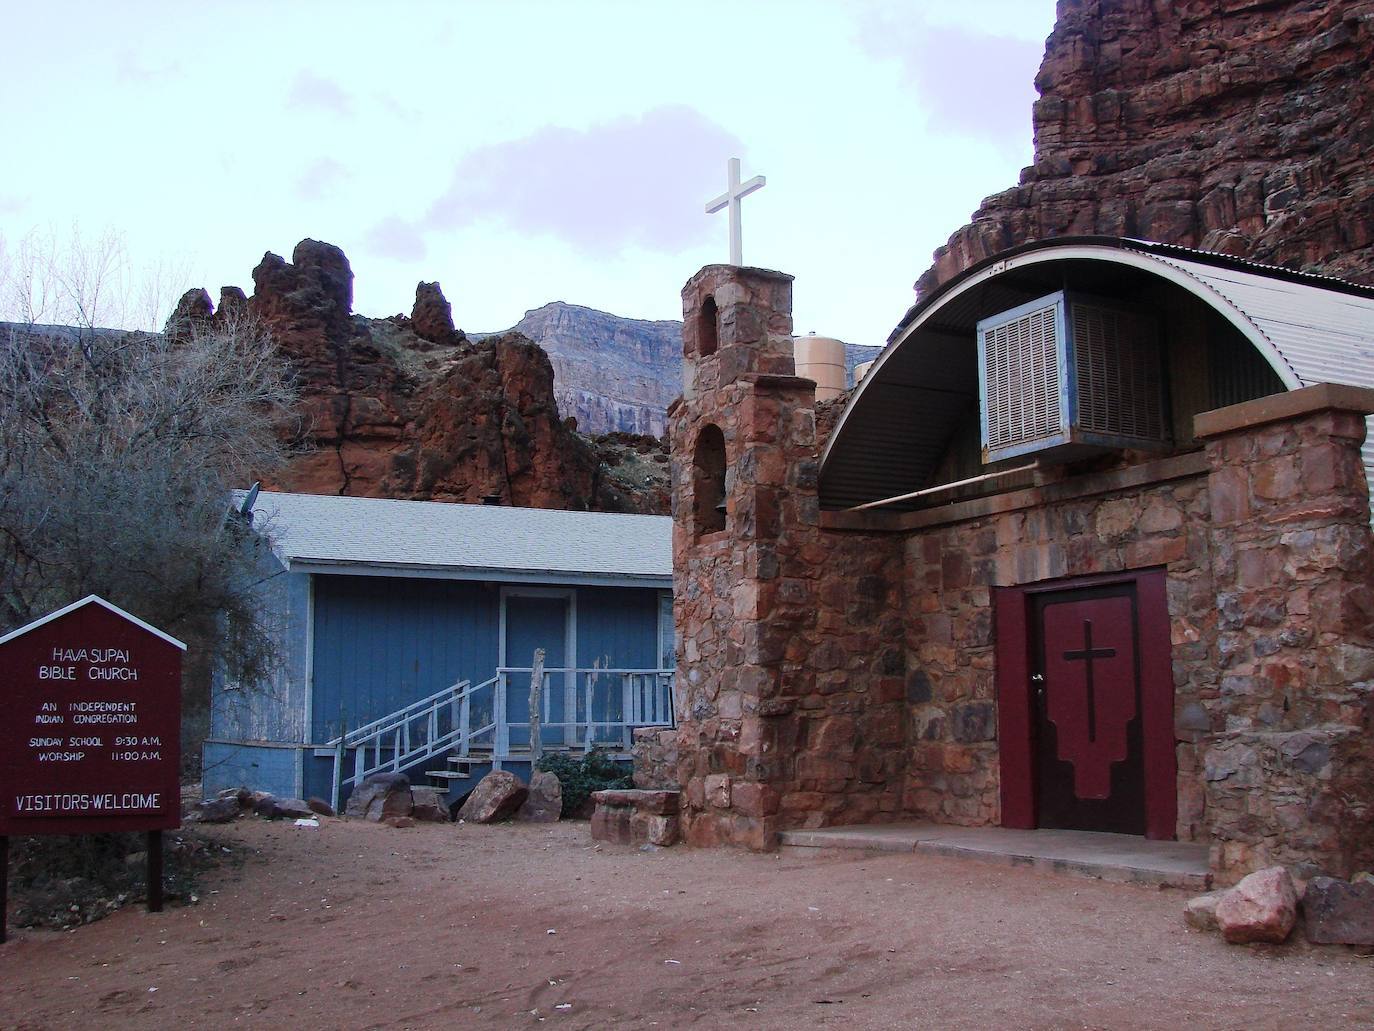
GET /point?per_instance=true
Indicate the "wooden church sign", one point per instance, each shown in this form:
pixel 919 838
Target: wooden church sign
pixel 90 741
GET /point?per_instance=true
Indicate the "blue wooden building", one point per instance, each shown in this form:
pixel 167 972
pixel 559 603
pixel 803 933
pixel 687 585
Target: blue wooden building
pixel 410 632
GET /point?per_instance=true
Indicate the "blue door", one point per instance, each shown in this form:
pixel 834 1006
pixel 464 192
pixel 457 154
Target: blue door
pixel 537 622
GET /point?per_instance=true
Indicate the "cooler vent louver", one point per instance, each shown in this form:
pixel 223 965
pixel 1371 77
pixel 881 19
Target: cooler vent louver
pixel 1065 376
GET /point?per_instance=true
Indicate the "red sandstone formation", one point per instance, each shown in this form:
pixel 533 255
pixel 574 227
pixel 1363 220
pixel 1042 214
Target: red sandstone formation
pixel 233 304
pixel 193 312
pixel 432 317
pixel 410 408
pixel 1242 126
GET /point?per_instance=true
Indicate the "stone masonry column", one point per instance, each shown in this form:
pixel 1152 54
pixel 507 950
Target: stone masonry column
pixel 744 504
pixel 1289 758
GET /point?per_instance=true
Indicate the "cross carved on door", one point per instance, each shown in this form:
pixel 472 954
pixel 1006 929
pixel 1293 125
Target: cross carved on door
pixel 1086 654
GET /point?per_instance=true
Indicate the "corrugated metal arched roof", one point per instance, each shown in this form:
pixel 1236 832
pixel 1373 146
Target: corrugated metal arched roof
pixel 1310 329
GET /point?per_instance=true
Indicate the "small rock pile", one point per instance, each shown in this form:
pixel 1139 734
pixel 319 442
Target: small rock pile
pixel 391 799
pixel 1265 906
pixel 230 803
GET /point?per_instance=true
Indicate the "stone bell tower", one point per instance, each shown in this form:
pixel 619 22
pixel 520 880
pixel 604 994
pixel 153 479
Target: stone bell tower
pixel 744 503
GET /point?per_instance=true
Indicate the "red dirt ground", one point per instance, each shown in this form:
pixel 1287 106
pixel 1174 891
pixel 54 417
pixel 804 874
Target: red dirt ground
pixel 362 926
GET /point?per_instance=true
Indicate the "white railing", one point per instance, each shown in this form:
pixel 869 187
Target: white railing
pixel 580 708
pixel 400 739
pixel 587 707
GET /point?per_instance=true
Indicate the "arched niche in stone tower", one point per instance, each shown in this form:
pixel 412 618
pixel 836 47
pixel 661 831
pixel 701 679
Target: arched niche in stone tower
pixel 708 480
pixel 708 328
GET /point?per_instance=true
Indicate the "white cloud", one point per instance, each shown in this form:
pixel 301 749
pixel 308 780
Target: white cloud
pixel 616 185
pixel 321 179
pixel 311 90
pixel 971 82
pixel 394 237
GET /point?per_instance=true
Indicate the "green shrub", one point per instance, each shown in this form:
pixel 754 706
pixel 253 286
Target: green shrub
pixel 579 777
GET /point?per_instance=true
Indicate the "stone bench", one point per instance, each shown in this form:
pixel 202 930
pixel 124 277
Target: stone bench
pixel 636 817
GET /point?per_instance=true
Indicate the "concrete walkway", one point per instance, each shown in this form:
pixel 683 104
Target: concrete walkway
pixel 1110 857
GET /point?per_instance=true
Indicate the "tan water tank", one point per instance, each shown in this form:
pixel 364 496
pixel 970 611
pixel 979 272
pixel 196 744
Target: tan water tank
pixel 861 370
pixel 822 359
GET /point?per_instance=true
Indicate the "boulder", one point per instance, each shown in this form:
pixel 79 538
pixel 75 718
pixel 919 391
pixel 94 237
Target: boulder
pixel 379 796
pixel 320 806
pixel 497 796
pixel 217 810
pixel 544 804
pixel 1261 908
pixel 1338 912
pixel 1201 913
pixel 430 805
pixel 274 808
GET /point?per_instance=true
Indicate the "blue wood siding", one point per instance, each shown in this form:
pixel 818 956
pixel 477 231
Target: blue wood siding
pixel 536 622
pixel 617 627
pixel 667 633
pixel 228 765
pixel 380 643
pixel 384 642
pixel 273 710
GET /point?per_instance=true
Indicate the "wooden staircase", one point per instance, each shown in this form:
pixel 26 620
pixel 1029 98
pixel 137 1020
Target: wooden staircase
pixel 468 724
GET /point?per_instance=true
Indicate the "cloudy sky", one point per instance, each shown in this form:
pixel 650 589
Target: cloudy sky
pixel 522 151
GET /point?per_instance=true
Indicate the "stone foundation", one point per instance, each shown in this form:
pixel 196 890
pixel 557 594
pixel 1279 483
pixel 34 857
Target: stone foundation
pixel 636 817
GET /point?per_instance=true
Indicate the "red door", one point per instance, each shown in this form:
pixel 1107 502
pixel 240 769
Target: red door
pixel 1086 699
pixel 1085 706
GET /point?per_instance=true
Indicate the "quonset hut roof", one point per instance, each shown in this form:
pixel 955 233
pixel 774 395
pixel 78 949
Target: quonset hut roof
pixel 1310 329
pixel 373 536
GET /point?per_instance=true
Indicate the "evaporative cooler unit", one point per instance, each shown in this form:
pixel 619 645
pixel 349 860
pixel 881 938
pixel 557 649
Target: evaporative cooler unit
pixel 1066 377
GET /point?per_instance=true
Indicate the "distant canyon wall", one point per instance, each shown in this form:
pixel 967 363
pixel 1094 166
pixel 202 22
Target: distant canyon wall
pixel 614 374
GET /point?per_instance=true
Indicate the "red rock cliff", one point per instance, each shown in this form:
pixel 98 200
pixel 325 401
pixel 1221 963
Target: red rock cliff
pixel 1245 126
pixel 408 407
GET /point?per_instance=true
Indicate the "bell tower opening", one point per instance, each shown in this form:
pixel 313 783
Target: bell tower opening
pixel 708 329
pixel 708 480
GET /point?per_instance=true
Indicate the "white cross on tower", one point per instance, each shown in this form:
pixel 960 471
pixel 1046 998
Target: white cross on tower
pixel 731 198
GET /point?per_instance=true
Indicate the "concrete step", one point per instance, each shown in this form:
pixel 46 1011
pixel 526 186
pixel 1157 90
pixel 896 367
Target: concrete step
pixel 1123 858
pixel 448 775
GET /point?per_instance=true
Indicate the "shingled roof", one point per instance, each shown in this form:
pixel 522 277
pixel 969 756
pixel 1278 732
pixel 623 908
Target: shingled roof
pixel 426 538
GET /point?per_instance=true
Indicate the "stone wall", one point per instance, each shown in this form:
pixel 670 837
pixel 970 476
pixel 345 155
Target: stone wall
pixel 1288 767
pixel 654 759
pixel 952 773
pixel 790 672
